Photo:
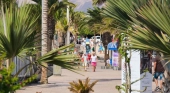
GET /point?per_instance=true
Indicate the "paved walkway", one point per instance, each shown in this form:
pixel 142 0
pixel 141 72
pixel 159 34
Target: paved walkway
pixel 108 79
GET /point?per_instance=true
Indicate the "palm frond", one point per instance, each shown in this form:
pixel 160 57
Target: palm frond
pixel 82 86
pixel 17 30
pixel 145 39
pixel 60 57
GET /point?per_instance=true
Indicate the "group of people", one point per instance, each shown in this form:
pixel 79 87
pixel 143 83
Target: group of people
pixel 88 45
pixel 88 59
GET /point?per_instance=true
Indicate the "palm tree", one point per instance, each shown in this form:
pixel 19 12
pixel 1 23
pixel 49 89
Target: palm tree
pixel 61 26
pixel 44 37
pixel 98 2
pixel 50 9
pixel 148 21
pixel 97 24
pixel 17 39
pixel 76 22
pixel 95 18
pixel 18 32
pixel 53 6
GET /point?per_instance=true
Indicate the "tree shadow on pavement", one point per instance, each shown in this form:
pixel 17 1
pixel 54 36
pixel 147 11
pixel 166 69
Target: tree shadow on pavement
pixel 100 58
pixel 105 80
pixel 49 85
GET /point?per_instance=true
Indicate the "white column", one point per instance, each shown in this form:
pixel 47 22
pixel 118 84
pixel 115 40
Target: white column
pixel 68 32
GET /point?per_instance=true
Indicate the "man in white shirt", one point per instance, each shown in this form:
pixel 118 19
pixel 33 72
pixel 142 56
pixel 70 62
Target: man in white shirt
pixel 84 57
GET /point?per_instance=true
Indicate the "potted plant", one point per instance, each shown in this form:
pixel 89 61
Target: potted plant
pixel 82 86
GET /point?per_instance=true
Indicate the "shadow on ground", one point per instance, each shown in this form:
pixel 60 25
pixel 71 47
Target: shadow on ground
pixel 105 80
pixel 100 58
pixel 49 85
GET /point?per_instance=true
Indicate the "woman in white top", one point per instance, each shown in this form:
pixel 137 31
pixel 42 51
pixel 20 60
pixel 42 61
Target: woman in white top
pixel 94 61
pixel 84 57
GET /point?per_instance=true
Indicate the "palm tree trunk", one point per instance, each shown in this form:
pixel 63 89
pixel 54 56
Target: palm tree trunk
pixel 106 55
pixel 49 44
pixel 62 39
pixel 75 39
pixel 51 28
pixel 38 40
pixel 106 39
pixel 95 43
pixel 58 39
pixel 44 78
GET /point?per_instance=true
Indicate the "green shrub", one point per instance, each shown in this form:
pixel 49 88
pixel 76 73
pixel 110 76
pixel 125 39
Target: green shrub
pixel 9 83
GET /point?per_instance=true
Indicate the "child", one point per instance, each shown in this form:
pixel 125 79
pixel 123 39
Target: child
pixel 94 61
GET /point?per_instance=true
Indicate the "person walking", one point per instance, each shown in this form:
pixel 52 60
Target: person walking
pixel 83 44
pixel 100 48
pixel 89 57
pixel 158 72
pixel 91 43
pixel 88 49
pixel 94 61
pixel 84 57
pixel 87 41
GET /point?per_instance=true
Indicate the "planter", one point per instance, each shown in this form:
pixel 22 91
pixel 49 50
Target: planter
pixel 103 67
pixel 115 68
pixel 57 70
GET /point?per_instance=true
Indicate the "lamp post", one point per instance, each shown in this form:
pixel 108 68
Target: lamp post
pixel 68 32
pixel 57 69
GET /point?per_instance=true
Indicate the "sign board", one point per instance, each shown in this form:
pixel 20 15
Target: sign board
pixel 115 59
pixel 135 65
pixel 112 46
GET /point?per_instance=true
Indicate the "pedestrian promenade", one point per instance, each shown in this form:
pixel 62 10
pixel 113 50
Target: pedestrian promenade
pixel 107 80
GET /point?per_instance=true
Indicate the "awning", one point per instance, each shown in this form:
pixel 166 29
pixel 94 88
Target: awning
pixel 112 46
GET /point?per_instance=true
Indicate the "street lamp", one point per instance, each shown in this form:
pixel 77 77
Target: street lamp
pixel 68 32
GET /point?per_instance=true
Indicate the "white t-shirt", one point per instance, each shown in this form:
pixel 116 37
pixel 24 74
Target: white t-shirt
pixel 93 58
pixel 91 42
pixel 84 58
pixel 83 43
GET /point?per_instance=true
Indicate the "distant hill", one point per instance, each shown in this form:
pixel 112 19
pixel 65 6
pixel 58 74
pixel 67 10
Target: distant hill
pixel 82 5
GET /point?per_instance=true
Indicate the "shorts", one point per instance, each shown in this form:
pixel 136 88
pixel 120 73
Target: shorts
pixel 88 61
pixel 85 64
pixel 93 63
pixel 158 74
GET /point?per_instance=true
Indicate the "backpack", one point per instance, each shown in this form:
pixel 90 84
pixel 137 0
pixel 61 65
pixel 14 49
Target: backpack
pixel 87 47
pixel 159 66
pixel 93 49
